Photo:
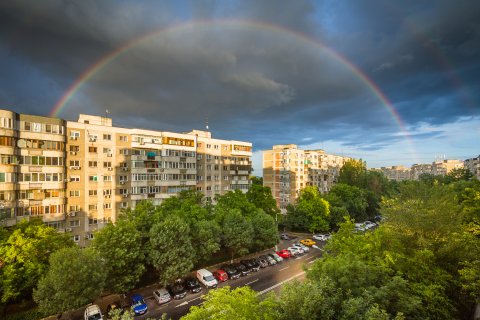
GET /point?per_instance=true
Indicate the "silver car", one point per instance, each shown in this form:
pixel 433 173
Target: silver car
pixel 162 296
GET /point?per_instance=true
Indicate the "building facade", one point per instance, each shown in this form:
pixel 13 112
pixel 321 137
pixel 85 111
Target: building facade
pixel 79 175
pixel 287 170
pixel 473 164
pixel 397 173
pixel 401 173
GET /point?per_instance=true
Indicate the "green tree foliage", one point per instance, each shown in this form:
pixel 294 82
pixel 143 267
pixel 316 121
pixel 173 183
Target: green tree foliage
pixel 171 252
pixel 236 200
pixel 458 174
pixel 237 233
pixel 24 254
pixel 310 212
pixel 239 303
pixel 353 173
pixel 256 180
pixel 262 198
pixel 121 248
pixel 352 198
pixel 265 232
pixel 206 239
pixel 75 277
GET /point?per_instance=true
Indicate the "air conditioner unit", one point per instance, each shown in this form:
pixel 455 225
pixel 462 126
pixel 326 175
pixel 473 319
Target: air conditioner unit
pixel 68 229
pixel 125 195
pixel 93 139
pixel 73 153
pixel 109 155
pixel 75 167
pixel 122 182
pixel 110 168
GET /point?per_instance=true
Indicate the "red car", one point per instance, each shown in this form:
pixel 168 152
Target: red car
pixel 220 275
pixel 285 254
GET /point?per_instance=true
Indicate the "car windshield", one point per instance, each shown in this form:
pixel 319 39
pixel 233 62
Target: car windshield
pixel 138 303
pixel 209 278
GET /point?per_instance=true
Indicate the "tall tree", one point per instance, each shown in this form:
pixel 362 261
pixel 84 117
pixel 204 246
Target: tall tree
pixel 352 198
pixel 75 277
pixel 120 246
pixel 237 233
pixel 234 200
pixel 25 255
pixel 171 252
pixel 262 198
pixel 265 232
pixel 205 235
pixel 312 205
pixel 353 173
pixel 239 303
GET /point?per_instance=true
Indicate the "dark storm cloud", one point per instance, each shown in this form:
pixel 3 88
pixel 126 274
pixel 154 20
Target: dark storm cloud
pixel 251 84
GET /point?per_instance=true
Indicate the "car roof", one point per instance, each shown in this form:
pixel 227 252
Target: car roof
pixel 92 309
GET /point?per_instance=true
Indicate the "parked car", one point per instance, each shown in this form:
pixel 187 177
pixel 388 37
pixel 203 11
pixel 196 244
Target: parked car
pixel 162 295
pixel 220 275
pixel 242 269
pixel 177 289
pixel 307 242
pixel 206 278
pixel 284 236
pixel 360 227
pixel 369 224
pixel 271 261
pixel 138 304
pixel 263 261
pixel 295 251
pixel 192 285
pixel 93 313
pixel 251 264
pixel 301 246
pixel 285 254
pixel 231 271
pixel 275 257
pixel 321 237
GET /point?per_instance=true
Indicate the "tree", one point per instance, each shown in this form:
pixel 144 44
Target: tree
pixel 75 277
pixel 171 252
pixel 311 204
pixel 205 235
pixel 234 200
pixel 256 181
pixel 25 255
pixel 237 233
pixel 121 248
pixel 262 198
pixel 227 304
pixel 353 173
pixel 265 232
pixel 352 198
pixel 459 174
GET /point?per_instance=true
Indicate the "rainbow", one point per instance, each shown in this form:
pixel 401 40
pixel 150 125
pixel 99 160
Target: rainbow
pixel 112 56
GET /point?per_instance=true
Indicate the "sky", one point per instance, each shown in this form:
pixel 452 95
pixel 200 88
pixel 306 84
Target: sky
pixel 390 82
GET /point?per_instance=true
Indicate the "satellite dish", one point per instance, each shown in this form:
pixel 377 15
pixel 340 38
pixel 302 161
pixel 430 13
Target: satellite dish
pixel 21 143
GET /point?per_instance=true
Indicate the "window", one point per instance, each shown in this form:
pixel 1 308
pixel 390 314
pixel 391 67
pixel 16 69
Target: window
pixel 37 127
pixel 93 220
pixel 2 176
pixel 73 163
pixel 74 134
pixel 107 178
pixel 107 206
pixel 107 164
pixel 93 178
pixel 74 223
pixel 92 207
pixel 92 137
pixel 92 149
pixel 74 178
pixel 74 193
pixel 123 205
pixel 107 137
pixel 92 192
pixel 124 138
pixel 209 146
pixel 215 146
pixel 92 164
pixel 123 191
pixel 26 126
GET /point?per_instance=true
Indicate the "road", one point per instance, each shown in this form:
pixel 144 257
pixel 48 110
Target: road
pixel 267 279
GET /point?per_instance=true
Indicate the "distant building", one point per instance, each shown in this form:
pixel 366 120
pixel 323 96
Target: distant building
pixel 287 170
pixel 397 173
pixel 473 164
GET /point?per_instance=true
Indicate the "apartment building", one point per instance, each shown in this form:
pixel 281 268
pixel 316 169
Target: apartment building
pixel 397 173
pixel 473 164
pixel 287 170
pixel 79 175
pixel 443 167
pixel 32 168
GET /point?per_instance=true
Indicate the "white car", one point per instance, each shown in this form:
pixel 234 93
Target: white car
pixel 321 237
pixel 295 251
pixel 301 246
pixel 93 313
pixel 369 224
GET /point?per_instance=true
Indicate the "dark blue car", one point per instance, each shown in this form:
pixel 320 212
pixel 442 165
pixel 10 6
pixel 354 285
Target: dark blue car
pixel 139 305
